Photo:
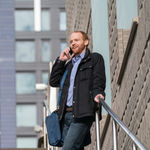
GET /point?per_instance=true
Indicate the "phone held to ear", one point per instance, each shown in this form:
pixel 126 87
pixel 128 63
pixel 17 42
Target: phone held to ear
pixel 70 52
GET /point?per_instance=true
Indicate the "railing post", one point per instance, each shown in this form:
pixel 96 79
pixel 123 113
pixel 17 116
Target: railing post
pixel 114 131
pixel 47 112
pixel 133 147
pixel 97 130
pixel 44 127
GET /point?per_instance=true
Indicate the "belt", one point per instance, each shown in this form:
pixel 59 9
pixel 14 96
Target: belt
pixel 68 109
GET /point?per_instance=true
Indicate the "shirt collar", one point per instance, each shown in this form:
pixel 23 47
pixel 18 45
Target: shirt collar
pixel 76 58
pixel 82 55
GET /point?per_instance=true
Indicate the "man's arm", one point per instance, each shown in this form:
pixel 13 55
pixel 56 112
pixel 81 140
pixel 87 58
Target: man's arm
pixel 58 68
pixel 57 73
pixel 99 78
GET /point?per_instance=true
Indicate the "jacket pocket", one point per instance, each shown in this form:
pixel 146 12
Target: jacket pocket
pixel 85 72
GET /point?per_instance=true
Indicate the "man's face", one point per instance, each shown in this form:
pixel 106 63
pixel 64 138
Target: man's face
pixel 77 43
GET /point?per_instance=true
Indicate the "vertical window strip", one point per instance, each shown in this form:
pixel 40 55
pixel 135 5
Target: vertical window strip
pixel 37 15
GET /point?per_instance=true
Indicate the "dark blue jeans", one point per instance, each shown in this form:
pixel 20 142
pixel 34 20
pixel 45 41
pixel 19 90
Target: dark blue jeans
pixel 75 131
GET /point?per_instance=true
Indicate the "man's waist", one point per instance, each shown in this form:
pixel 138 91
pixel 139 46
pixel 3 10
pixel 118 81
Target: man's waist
pixel 68 108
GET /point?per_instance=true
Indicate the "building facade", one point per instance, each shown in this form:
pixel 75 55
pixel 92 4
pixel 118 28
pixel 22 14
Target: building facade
pixel 32 35
pixel 129 65
pixel 129 52
pixel 7 75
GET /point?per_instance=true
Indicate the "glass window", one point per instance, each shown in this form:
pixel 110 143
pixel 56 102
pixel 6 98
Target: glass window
pixel 24 20
pixel 25 51
pixel 45 77
pixel 62 20
pixel 100 38
pixel 126 10
pixel 46 51
pixel 45 20
pixel 26 142
pixel 26 115
pixel 63 45
pixel 25 83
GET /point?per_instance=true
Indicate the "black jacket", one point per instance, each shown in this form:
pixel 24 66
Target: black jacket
pixel 89 81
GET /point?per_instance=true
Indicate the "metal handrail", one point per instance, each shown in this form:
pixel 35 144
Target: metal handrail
pixel 123 126
pixel 46 106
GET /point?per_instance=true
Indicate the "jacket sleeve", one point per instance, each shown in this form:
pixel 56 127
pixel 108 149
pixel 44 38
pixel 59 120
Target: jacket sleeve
pixel 99 77
pixel 57 73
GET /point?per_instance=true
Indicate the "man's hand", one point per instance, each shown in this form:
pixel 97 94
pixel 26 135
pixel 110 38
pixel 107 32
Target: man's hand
pixel 96 99
pixel 65 55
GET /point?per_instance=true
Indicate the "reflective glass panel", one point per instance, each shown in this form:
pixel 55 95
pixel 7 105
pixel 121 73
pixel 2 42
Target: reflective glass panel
pixel 126 10
pixel 100 38
pixel 45 20
pixel 25 83
pixel 26 115
pixel 25 51
pixel 62 20
pixel 24 20
pixel 46 51
pixel 26 142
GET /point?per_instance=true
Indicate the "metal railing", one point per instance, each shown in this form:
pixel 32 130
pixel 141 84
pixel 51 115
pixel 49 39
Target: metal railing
pixel 116 120
pixel 46 113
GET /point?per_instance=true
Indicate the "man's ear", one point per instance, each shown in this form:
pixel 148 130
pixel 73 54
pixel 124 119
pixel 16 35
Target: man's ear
pixel 86 42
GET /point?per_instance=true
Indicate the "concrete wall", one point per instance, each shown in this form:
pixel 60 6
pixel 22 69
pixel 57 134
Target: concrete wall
pixel 130 99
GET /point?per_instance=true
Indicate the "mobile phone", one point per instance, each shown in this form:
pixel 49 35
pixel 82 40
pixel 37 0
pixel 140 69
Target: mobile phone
pixel 70 52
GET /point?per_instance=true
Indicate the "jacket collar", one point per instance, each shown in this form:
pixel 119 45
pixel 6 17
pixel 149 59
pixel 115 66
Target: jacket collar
pixel 87 56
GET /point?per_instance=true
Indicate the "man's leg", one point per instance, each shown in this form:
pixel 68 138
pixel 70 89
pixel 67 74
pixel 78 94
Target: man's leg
pixel 67 120
pixel 75 131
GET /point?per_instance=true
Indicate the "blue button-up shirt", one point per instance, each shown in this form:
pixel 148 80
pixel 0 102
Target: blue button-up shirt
pixel 75 61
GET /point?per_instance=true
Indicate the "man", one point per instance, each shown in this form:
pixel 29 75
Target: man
pixel 84 84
